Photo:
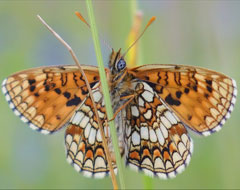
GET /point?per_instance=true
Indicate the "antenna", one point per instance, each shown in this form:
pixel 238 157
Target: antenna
pixel 148 24
pixel 79 15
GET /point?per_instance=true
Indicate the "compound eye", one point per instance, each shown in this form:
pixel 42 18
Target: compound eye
pixel 121 65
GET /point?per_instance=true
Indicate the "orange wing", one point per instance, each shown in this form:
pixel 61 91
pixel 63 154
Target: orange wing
pixel 201 98
pixel 47 97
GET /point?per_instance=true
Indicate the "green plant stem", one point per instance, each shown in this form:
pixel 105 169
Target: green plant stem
pixel 106 94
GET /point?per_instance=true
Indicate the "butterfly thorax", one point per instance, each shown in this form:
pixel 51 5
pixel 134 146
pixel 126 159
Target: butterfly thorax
pixel 121 86
pixel 120 80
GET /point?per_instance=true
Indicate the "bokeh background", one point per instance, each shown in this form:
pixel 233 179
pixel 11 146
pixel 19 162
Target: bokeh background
pixel 200 33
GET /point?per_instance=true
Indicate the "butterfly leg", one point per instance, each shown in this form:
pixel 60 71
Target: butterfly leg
pixel 130 97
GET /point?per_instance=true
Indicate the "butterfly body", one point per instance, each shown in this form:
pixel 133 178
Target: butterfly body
pixel 154 106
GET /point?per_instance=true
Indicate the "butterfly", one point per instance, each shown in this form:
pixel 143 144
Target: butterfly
pixel 156 105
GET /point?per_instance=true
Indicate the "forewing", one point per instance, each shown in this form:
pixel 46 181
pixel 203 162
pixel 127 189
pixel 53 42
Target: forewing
pixel 46 97
pixel 83 141
pixel 157 141
pixel 201 98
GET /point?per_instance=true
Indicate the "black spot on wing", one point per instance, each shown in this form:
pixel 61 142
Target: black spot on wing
pixel 32 88
pixel 186 90
pixel 93 84
pixel 195 88
pixel 171 101
pixel 57 90
pixel 178 94
pixel 209 89
pixel 152 85
pixel 189 117
pixel 47 87
pixel 36 94
pixel 209 82
pixel 31 81
pixel 67 95
pixel 74 102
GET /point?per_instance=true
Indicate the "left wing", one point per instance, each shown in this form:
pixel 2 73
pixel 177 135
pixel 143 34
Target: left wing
pixel 45 98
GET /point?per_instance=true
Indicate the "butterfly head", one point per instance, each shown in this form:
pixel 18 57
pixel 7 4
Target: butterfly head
pixel 117 64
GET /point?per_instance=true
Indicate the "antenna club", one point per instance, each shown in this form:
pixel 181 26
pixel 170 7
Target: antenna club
pixel 151 20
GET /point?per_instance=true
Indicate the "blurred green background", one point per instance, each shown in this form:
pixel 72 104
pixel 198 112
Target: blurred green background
pixel 199 33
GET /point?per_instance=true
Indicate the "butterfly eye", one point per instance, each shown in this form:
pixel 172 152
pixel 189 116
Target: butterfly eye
pixel 121 65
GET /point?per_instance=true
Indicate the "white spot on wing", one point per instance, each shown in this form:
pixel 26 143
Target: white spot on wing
pixel 4 90
pixel 4 82
pixel 148 114
pixel 206 133
pixel 170 117
pixel 24 119
pixel 97 96
pixel 165 122
pixel 80 156
pixel 69 159
pixel 135 138
pixel 92 136
pixel 76 167
pixel 11 105
pixel 153 136
pixel 234 83
pixel 87 173
pixel 84 122
pixel 162 175
pixel 135 111
pixel 69 139
pixel 188 159
pixel 77 117
pixel 7 97
pixel 191 146
pixel 180 169
pixel 99 137
pixel 45 132
pixel 16 112
pixel 148 96
pixel 233 100
pixel 87 130
pixel 99 163
pixel 144 133
pixel 32 126
pixel 147 87
pixel 99 175
pixel 160 136
pixel 148 172
pixel 133 167
pixel 171 175
pixel 73 147
pixel 218 127
pixel 88 163
pixel 164 130
pixel 158 164
pixel 140 101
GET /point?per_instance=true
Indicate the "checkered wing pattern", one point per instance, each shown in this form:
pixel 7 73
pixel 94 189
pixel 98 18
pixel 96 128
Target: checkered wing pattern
pixel 201 98
pixel 157 141
pixel 46 97
pixel 83 141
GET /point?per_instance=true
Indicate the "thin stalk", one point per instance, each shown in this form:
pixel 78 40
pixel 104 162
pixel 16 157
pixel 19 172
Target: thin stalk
pixel 106 94
pixel 114 181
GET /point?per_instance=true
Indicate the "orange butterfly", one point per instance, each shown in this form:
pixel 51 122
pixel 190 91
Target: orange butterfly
pixel 155 105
